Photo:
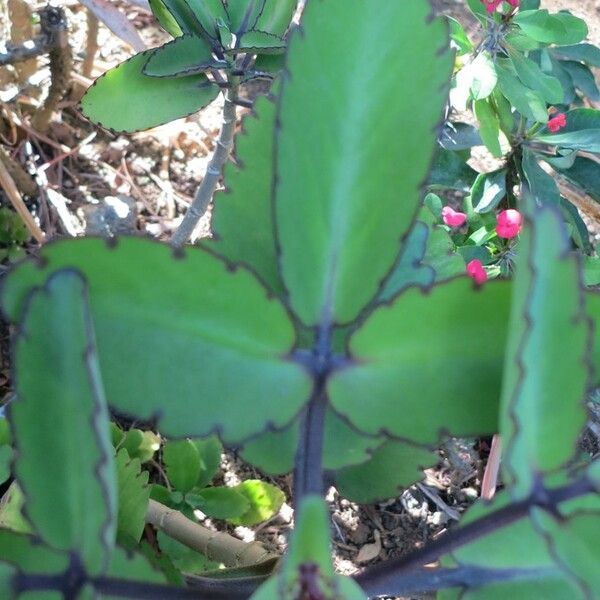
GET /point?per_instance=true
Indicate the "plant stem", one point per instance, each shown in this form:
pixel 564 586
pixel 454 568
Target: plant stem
pixel 389 575
pixel 308 467
pixel 222 152
pixel 217 546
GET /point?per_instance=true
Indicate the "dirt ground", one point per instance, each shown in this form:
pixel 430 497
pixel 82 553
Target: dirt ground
pixel 157 173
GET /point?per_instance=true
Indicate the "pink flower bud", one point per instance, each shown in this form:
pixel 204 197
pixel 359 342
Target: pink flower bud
pixel 509 224
pixel 513 3
pixel 453 218
pixel 476 272
pixel 491 5
pixel 557 122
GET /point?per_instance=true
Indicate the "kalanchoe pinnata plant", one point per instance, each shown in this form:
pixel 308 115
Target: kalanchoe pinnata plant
pixel 318 332
pixel 217 45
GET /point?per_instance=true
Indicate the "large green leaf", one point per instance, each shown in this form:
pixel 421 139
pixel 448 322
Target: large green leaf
pixel 533 77
pixel 242 217
pixel 273 452
pixel 340 209
pixel 560 28
pixel 542 187
pixel 585 173
pixel 197 350
pixel 309 558
pixel 29 555
pixel 184 55
pixel 587 53
pixel 450 171
pixel 434 355
pixel 65 459
pixel 547 312
pixel 134 493
pixel 165 18
pixel 393 467
pixel 276 16
pixel 124 99
pixel 207 13
pixel 583 79
pixel 243 14
pixel 219 502
pixel 528 102
pixel 582 131
pixel 574 544
pixel 489 126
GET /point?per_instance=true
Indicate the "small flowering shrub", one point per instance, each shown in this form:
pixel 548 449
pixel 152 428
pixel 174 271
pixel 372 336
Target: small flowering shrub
pixel 527 85
pixel 329 329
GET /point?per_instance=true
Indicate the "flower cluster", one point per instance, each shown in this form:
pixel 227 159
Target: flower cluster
pixel 508 226
pixel 492 5
pixel 557 122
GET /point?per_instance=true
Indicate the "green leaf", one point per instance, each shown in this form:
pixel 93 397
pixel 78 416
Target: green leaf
pixel 478 9
pixel 141 444
pixel 184 558
pixel 6 455
pixel 577 228
pixel 29 556
pixel 542 187
pixel 488 191
pixel 7 588
pixel 260 42
pixel 565 79
pixel 264 500
pixel 134 493
pixel 574 544
pixel 587 53
pixel 513 546
pixel 133 567
pixel 208 13
pixel 118 100
pixel 334 197
pixel 67 466
pixel 165 18
pixel 182 464
pixel 184 55
pixel 560 28
pixel 583 79
pixel 533 77
pixel 503 109
pixel 548 312
pixel 459 37
pixel 459 136
pixel 528 102
pixel 248 201
pixel 489 126
pixel 409 348
pixel 219 502
pixel 276 16
pixel 393 467
pixel 11 510
pixel 309 546
pixel 585 174
pixel 244 14
pixel 209 450
pixel 582 131
pixel 450 171
pixel 228 352
pixel 274 451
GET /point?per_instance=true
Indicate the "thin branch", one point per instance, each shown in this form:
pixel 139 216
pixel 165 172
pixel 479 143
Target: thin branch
pixel 208 186
pixel 426 580
pixel 10 189
pixel 217 546
pixel 385 576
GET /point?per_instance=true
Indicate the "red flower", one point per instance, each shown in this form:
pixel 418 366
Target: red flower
pixel 453 218
pixel 476 272
pixel 491 5
pixel 509 224
pixel 557 122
